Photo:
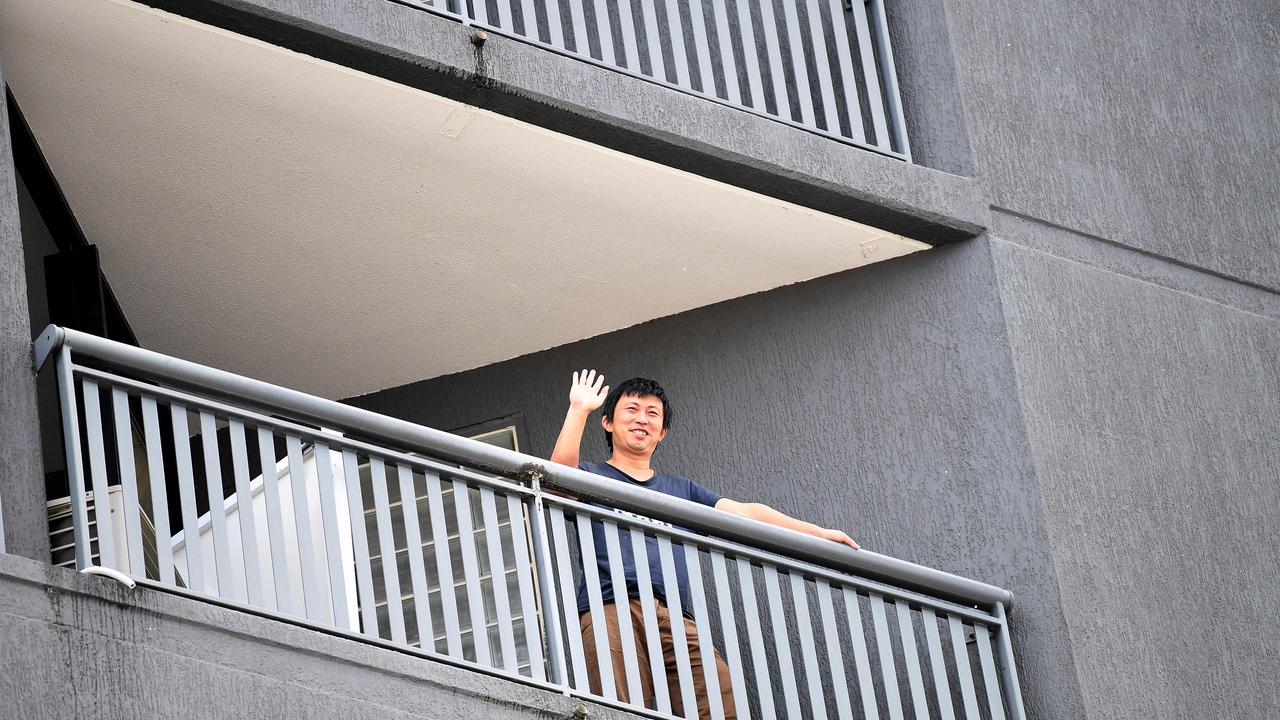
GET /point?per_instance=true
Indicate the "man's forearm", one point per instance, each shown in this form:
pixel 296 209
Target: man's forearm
pixel 569 442
pixel 764 513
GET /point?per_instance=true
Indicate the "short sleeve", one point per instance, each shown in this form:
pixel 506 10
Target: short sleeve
pixel 701 494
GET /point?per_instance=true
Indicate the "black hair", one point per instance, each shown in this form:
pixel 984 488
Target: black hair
pixel 635 386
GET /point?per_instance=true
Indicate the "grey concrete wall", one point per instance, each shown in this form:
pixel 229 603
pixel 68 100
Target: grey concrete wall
pixel 1154 419
pixel 22 482
pixel 881 401
pixel 1154 125
pixel 73 646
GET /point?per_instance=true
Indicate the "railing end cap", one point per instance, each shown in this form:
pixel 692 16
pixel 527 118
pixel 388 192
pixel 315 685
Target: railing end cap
pixel 48 341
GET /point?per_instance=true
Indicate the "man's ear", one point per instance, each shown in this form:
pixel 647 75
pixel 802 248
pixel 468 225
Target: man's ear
pixel 606 423
pixel 662 434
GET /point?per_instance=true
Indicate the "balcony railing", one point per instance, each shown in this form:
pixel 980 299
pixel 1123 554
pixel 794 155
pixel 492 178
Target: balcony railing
pixel 283 504
pixel 822 65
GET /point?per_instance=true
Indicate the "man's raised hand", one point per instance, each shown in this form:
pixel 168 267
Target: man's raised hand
pixel 588 391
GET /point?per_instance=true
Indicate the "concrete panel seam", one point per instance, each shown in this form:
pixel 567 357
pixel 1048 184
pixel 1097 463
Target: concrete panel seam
pixel 1042 236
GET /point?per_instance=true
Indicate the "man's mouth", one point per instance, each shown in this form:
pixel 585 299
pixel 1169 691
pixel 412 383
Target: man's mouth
pixel 640 431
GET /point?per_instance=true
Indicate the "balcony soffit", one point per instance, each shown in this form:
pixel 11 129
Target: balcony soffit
pixel 276 215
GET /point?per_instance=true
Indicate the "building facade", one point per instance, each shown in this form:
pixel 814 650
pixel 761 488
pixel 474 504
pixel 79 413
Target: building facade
pixel 1026 336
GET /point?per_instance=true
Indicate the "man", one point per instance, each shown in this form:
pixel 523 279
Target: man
pixel 636 418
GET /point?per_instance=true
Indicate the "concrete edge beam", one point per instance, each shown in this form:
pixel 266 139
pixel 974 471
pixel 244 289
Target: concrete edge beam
pixel 22 580
pixel 422 50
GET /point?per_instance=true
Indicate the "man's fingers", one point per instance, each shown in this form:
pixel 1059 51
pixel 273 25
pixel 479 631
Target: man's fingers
pixel 599 383
pixel 603 393
pixel 575 378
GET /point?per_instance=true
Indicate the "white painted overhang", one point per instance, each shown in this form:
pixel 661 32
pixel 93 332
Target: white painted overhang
pixel 287 218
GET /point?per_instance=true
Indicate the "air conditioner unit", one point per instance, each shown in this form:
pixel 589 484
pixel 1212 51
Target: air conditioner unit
pixel 62 542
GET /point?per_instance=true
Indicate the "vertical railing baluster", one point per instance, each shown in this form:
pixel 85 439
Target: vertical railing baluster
pixel 679 60
pixel 471 572
pixel 622 608
pixel 246 515
pixel 781 641
pixel 568 598
pixel 884 643
pixel 848 79
pixel 961 652
pixel 860 659
pixel 577 17
pixel 75 464
pixel 653 39
pixel 835 657
pixel 808 648
pixel 684 671
pixel 444 566
pixel 866 51
pixel 649 610
pixel 937 662
pixel 1008 667
pixel 158 488
pixel 889 73
pixel 732 653
pixel 217 503
pixel 591 580
pixel 759 661
pixel 751 55
pixel 800 68
pixel 702 625
pixel 701 47
pixel 365 597
pixel 498 574
pixel 906 631
pixel 479 10
pixel 505 21
pixel 387 548
pixel 314 599
pixel 728 64
pixel 98 474
pixel 556 671
pixel 413 551
pixel 555 26
pixel 823 68
pixel 630 42
pixel 995 704
pixel 281 582
pixel 604 32
pixel 524 578
pixel 769 27
pixel 332 537
pixel 187 496
pixel 529 17
pixel 128 483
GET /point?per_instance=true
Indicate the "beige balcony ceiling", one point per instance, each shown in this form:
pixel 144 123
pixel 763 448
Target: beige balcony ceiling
pixel 275 215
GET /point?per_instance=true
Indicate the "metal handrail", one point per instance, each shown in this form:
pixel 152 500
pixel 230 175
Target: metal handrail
pixel 401 433
pixel 863 68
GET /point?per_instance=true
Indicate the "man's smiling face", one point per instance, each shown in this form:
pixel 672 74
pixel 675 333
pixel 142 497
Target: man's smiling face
pixel 636 424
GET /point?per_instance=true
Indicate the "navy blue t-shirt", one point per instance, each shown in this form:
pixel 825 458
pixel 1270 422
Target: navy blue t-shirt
pixel 680 487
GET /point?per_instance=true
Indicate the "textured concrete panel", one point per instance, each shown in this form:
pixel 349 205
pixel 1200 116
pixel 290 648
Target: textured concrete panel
pixel 882 402
pixel 22 482
pixel 1156 125
pixel 78 647
pixel 1153 416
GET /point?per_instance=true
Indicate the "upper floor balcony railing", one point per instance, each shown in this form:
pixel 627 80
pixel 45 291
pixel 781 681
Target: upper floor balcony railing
pixel 192 480
pixel 822 65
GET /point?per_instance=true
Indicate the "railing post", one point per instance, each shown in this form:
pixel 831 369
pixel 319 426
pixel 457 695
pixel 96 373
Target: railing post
pixel 75 466
pixel 546 586
pixel 1008 668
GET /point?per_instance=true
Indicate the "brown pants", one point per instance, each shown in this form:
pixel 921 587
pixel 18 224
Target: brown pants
pixel 642 659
